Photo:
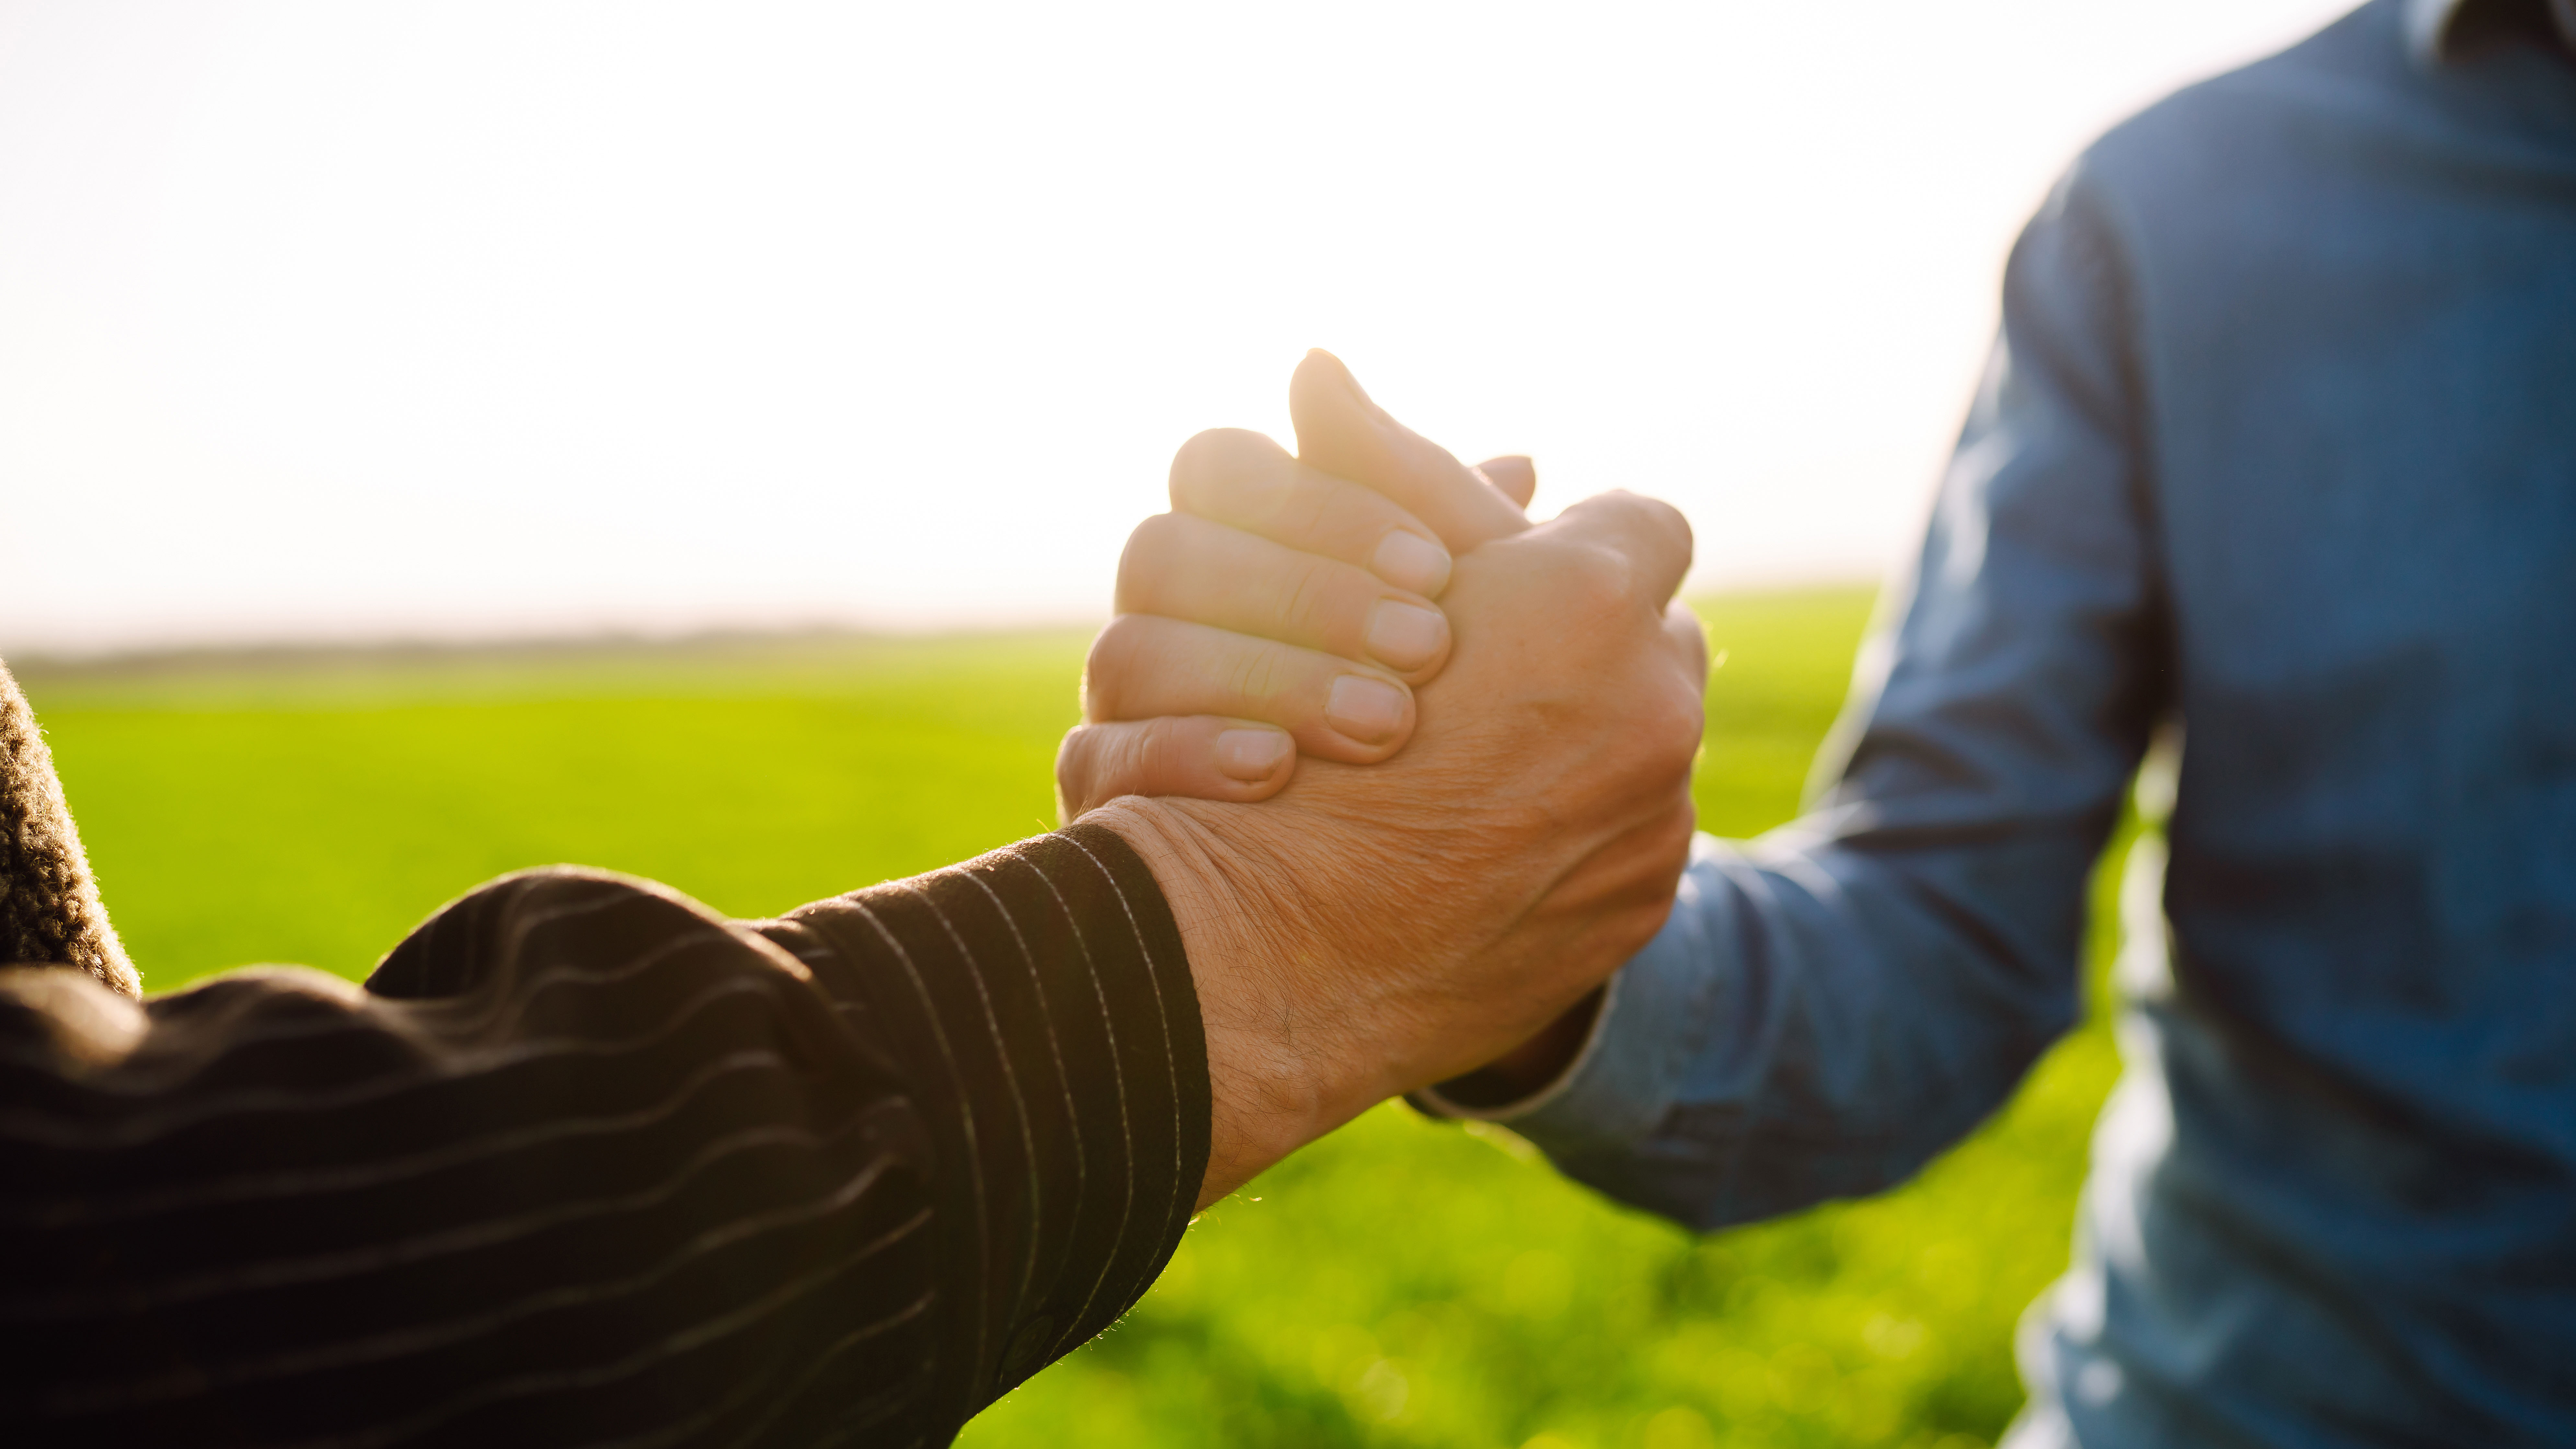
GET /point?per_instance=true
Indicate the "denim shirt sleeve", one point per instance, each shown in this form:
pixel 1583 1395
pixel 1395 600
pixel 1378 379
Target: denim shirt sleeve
pixel 1835 1003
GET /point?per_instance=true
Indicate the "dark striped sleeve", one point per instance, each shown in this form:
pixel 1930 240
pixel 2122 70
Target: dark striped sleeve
pixel 587 1165
pixel 1042 989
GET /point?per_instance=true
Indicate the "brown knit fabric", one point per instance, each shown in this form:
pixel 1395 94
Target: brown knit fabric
pixel 49 910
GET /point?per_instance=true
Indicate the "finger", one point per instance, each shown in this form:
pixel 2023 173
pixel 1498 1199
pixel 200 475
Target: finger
pixel 1205 757
pixel 1341 432
pixel 1143 666
pixel 1650 535
pixel 1246 481
pixel 1183 567
pixel 1514 476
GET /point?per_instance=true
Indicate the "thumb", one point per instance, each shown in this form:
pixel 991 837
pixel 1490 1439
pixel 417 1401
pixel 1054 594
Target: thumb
pixel 1340 431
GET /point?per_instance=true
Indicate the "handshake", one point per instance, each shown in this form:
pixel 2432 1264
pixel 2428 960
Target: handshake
pixel 585 1161
pixel 1498 720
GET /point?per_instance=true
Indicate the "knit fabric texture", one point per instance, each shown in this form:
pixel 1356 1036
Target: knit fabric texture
pixel 49 909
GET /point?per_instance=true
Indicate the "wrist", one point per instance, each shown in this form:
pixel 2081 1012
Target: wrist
pixel 1534 1065
pixel 1278 1072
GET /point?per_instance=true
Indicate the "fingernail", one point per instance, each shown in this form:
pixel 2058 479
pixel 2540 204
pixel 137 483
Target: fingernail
pixel 1410 561
pixel 1251 756
pixel 1403 637
pixel 1368 710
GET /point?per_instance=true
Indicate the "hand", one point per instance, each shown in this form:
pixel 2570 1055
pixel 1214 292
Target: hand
pixel 1373 930
pixel 1280 607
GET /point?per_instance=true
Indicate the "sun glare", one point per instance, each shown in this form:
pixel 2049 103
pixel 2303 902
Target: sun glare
pixel 355 320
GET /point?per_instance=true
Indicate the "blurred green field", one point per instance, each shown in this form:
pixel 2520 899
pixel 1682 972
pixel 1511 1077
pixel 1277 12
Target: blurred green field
pixel 1401 1283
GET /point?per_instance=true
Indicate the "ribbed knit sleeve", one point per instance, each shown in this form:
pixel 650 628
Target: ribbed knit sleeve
pixel 587 1165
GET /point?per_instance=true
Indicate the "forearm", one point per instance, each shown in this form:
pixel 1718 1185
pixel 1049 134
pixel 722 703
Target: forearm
pixel 584 1137
pixel 1040 998
pixel 580 1135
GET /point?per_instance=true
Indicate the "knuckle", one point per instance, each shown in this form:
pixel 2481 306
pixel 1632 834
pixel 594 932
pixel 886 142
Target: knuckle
pixel 1073 752
pixel 1675 724
pixel 1649 521
pixel 1107 669
pixel 1169 757
pixel 1307 600
pixel 1598 582
pixel 1145 564
pixel 1226 474
pixel 1685 729
pixel 1644 507
pixel 1333 516
pixel 1111 762
pixel 1259 675
pixel 1674 522
pixel 1156 738
pixel 1199 457
pixel 1306 513
pixel 1126 764
pixel 1077 767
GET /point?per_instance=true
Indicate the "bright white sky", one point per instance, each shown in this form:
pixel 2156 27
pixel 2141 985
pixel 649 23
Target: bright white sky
pixel 356 320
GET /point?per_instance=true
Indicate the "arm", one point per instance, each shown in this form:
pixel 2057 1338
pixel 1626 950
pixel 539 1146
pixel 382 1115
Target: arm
pixel 1832 1005
pixel 588 1162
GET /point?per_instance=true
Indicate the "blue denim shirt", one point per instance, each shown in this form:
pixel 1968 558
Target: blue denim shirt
pixel 2276 454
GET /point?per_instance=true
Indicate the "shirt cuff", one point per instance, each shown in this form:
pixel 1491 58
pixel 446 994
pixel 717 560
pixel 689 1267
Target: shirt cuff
pixel 1619 1087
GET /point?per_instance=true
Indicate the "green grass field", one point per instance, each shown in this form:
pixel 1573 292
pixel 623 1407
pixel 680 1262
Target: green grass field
pixel 1401 1283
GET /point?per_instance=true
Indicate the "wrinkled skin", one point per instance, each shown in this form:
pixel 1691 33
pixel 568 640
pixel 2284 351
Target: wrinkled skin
pixel 1374 928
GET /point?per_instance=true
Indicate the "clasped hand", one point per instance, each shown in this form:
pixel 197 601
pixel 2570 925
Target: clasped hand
pixel 1499 721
